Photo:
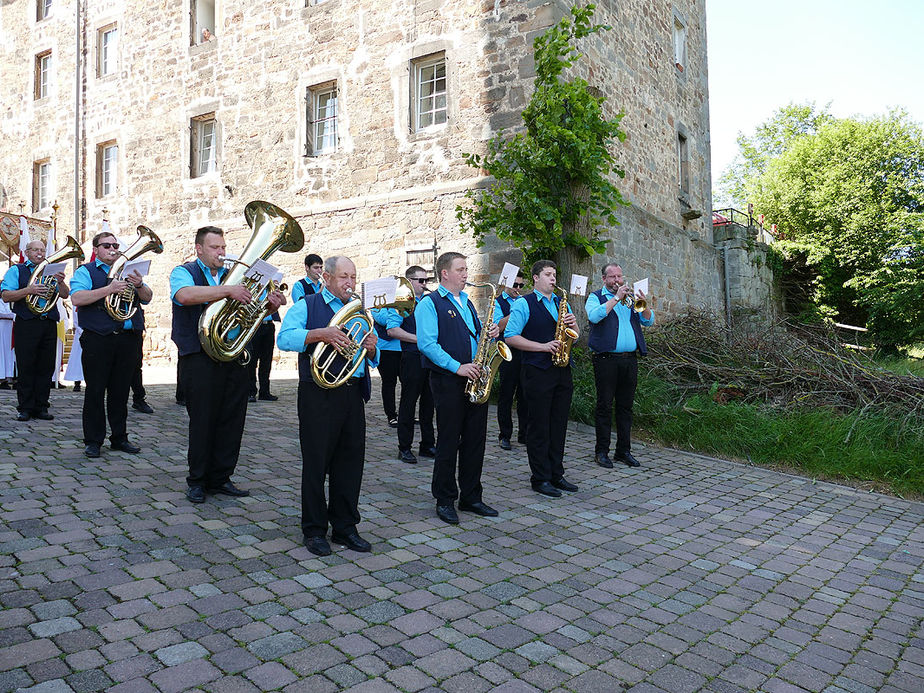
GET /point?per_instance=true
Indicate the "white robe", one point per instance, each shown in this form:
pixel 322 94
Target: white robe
pixel 74 370
pixel 7 356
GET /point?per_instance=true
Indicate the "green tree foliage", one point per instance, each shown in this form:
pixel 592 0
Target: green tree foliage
pixel 849 196
pixel 552 186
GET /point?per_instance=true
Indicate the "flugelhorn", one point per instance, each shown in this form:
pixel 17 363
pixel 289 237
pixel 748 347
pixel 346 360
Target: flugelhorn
pixel 226 326
pixel 332 366
pixel 488 355
pixel 123 305
pixel 41 304
pixel 630 300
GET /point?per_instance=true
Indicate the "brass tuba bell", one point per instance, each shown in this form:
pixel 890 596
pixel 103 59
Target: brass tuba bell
pixel 123 305
pixel 42 304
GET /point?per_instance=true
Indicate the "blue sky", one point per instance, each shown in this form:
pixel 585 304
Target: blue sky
pixel 863 57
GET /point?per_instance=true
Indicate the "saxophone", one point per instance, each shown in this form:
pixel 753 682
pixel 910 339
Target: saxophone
pixel 564 334
pixel 489 354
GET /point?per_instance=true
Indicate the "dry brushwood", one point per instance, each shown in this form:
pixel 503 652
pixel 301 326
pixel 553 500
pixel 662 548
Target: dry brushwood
pixel 784 364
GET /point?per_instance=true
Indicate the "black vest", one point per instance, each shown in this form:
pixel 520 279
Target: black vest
pixel 94 317
pixel 308 287
pixel 319 315
pixel 453 333
pixel 602 337
pixel 409 324
pixel 20 309
pixel 539 327
pixel 185 328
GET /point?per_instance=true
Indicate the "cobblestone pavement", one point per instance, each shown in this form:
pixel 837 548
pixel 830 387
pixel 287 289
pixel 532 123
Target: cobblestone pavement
pixel 689 573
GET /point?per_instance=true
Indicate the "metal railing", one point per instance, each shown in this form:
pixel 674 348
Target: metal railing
pixel 730 215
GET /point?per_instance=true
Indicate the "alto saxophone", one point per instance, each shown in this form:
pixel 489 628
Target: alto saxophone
pixel 488 355
pixel 564 334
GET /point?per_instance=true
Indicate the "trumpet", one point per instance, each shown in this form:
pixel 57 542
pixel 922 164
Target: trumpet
pixel 636 303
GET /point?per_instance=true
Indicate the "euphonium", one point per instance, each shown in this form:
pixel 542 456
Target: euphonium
pixel 332 367
pixel 488 355
pixel 564 334
pixel 124 304
pixel 42 304
pixel 226 326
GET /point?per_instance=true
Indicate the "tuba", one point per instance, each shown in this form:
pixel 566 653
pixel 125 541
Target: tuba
pixel 42 304
pixel 123 305
pixel 332 367
pixel 564 334
pixel 488 355
pixel 226 326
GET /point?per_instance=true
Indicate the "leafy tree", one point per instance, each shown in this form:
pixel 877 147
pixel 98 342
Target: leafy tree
pixel 553 183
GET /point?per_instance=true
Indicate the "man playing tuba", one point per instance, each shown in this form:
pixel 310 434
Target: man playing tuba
pixel 533 327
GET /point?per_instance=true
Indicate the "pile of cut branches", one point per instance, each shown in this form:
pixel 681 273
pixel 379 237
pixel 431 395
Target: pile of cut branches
pixel 785 364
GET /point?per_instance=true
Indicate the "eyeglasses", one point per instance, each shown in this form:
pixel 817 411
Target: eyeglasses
pixel 107 246
pixel 518 285
pixel 422 280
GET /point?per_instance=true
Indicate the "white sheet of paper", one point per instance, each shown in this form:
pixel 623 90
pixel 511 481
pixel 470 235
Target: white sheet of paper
pixel 508 275
pixel 379 292
pixel 53 268
pixel 142 267
pixel 261 272
pixel 641 285
pixel 578 285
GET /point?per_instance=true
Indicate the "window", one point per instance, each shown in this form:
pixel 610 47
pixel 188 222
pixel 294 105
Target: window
pixel 322 119
pixel 428 92
pixel 42 74
pixel 41 185
pixel 204 143
pixel 107 158
pixel 107 43
pixel 202 21
pixel 42 10
pixel 683 168
pixel 680 44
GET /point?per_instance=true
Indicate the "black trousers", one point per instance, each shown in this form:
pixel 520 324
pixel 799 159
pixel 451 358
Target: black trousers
pixel 138 392
pixel 549 393
pixel 415 385
pixel 460 438
pixel 216 401
pixel 616 377
pixel 510 387
pixel 180 393
pixel 260 348
pixel 108 365
pixel 332 433
pixel 389 368
pixel 36 344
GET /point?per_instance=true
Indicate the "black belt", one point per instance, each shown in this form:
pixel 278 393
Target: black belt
pixel 615 355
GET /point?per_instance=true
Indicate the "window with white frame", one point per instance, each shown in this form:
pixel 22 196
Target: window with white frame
pixel 42 74
pixel 322 119
pixel 107 159
pixel 41 185
pixel 42 9
pixel 680 43
pixel 107 57
pixel 428 91
pixel 202 21
pixel 683 164
pixel 204 159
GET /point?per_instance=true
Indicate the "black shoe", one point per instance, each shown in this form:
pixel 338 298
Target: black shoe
pixel 505 444
pixel 351 541
pixel 252 398
pixel 407 456
pixel 76 387
pixel 447 513
pixel 23 416
pixel 546 489
pixel 143 407
pixel 268 397
pixel 229 489
pixel 91 450
pixel 44 416
pixel 627 459
pixel 393 421
pixel 478 508
pixel 317 545
pixel 125 446
pixel 521 440
pixel 603 460
pixel 195 494
pixel 427 451
pixel 181 402
pixel 564 485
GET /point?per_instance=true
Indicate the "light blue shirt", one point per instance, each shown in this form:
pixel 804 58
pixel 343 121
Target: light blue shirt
pixel 82 281
pixel 519 314
pixel 625 339
pixel 293 332
pixel 180 278
pixel 11 278
pixel 298 291
pixel 428 330
pixel 380 315
pixel 498 313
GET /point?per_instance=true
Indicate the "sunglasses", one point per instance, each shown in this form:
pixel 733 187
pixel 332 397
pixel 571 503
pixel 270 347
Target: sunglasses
pixel 422 280
pixel 518 285
pixel 107 246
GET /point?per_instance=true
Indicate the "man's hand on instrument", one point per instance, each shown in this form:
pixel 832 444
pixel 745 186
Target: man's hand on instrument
pixel 493 331
pixel 42 290
pixel 238 293
pixel 469 370
pixel 552 347
pixel 117 286
pixel 59 277
pixel 334 336
pixel 135 279
pixel 570 320
pixel 370 341
pixel 275 299
pixel 623 291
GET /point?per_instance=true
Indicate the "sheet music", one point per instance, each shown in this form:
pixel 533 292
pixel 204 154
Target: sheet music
pixel 142 267
pixel 261 272
pixel 53 268
pixel 578 285
pixel 508 275
pixel 379 292
pixel 641 285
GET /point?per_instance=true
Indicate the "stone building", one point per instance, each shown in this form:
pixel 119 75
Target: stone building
pixel 352 115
